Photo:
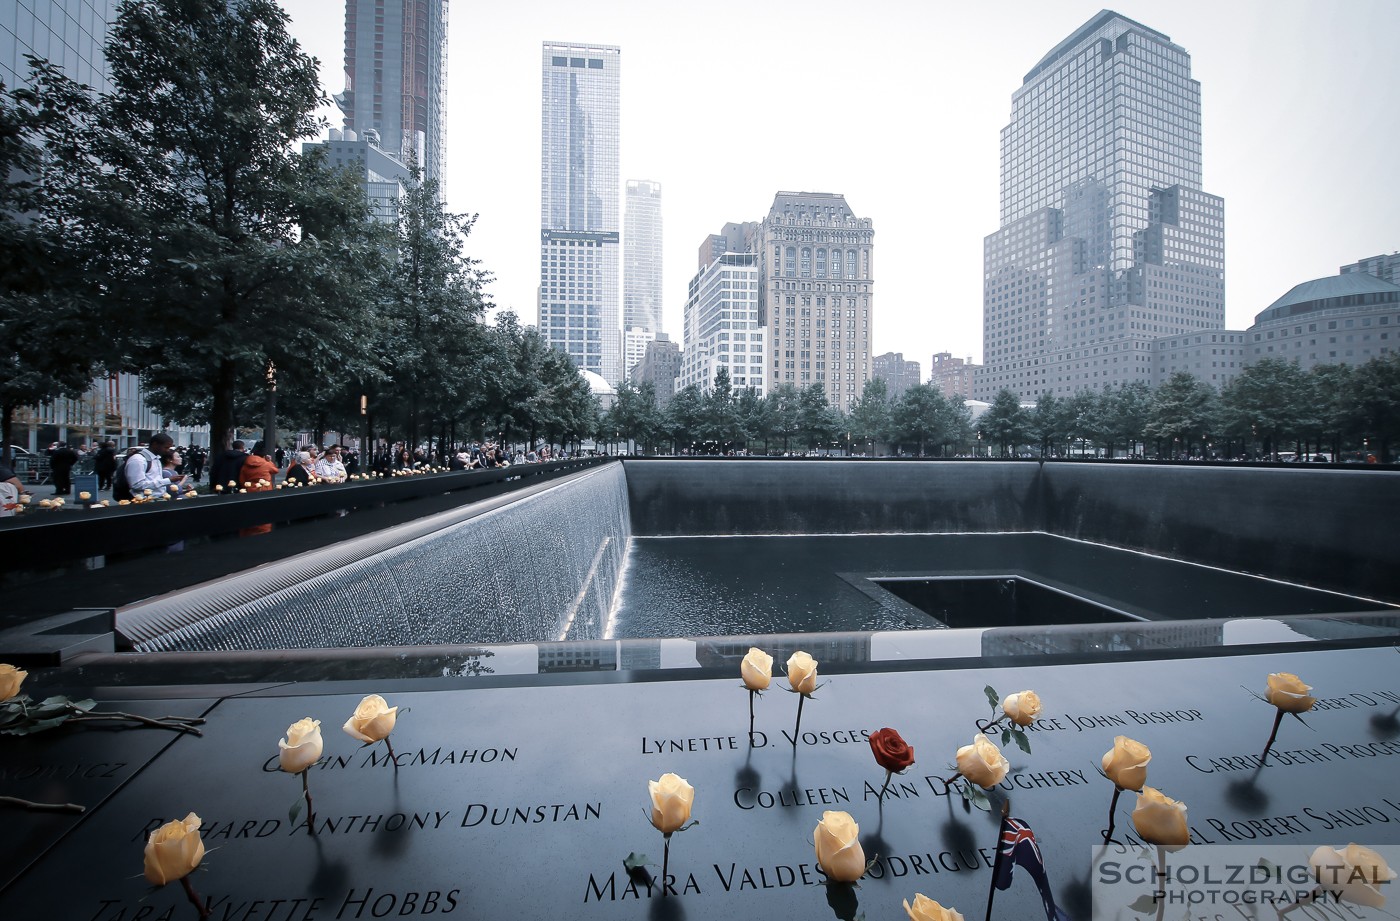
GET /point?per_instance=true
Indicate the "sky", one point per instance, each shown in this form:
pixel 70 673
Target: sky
pixel 899 106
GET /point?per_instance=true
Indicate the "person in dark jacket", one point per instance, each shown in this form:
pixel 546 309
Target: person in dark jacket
pixel 105 464
pixel 228 466
pixel 61 462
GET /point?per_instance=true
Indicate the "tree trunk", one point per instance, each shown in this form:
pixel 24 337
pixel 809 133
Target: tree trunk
pixel 221 413
pixel 7 413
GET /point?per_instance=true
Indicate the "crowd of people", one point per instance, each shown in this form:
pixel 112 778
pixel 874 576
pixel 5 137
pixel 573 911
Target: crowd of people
pixel 161 467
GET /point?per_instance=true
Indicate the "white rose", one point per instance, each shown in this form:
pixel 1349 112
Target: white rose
pixel 671 799
pixel 839 853
pixel 756 669
pixel 1353 874
pixel 1288 693
pixel 982 762
pixel 174 850
pixel 926 909
pixel 372 720
pixel 302 747
pixel 10 680
pixel 1126 764
pixel 1159 819
pixel 1022 708
pixel 802 672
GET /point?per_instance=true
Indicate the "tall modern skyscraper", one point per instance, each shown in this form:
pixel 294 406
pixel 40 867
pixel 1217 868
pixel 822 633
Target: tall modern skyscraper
pixel 396 78
pixel 578 295
pixel 641 269
pixel 1107 241
pixel 815 288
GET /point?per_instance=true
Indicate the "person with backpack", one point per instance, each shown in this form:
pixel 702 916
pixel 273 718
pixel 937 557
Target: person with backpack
pixel 142 470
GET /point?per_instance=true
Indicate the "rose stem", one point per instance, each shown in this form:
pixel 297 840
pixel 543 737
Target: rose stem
pixel 665 866
pixel 82 716
pixel 30 806
pixel 310 810
pixel 194 898
pixel 1112 813
pixel 948 782
pixel 392 757
pixel 797 730
pixel 888 772
pixel 989 727
pixel 1278 718
pixel 751 693
pixel 1162 877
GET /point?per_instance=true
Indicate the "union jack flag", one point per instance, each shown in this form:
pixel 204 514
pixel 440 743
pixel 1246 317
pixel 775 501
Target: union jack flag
pixel 1018 845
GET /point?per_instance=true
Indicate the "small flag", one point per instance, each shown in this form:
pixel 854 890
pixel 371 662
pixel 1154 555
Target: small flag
pixel 1018 845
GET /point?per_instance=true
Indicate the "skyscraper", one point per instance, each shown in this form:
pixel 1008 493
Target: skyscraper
pixel 641 269
pixel 722 328
pixel 815 288
pixel 396 78
pixel 1107 241
pixel 578 295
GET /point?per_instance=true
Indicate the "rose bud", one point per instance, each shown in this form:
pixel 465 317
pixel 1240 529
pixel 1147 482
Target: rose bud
pixel 926 909
pixel 982 762
pixel 1351 874
pixel 174 850
pixel 839 853
pixel 1288 693
pixel 218 488
pixel 891 751
pixel 85 496
pixel 671 799
pixel 1021 708
pixel 302 747
pixel 756 669
pixel 373 719
pixel 10 680
pixel 1160 819
pixel 1126 764
pixel 802 673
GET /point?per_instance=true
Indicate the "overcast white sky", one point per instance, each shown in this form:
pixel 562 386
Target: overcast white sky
pixel 898 105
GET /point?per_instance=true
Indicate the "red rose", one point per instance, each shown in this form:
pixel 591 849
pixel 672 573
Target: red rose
pixel 891 751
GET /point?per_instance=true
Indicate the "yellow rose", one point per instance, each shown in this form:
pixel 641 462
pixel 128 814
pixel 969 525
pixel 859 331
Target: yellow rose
pixel 1021 708
pixel 302 747
pixel 1126 764
pixel 85 496
pixel 839 853
pixel 174 850
pixel 1289 694
pixel 373 719
pixel 802 672
pixel 1160 819
pixel 756 669
pixel 671 799
pixel 1351 874
pixel 926 909
pixel 982 762
pixel 10 680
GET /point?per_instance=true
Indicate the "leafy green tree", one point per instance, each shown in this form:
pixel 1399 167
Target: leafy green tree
pixel 871 416
pixel 1006 423
pixel 635 416
pixel 1332 405
pixel 817 421
pixel 721 423
pixel 1183 413
pixel 48 348
pixel 221 250
pixel 1049 422
pixel 755 417
pixel 1080 413
pixel 1128 409
pixel 785 411
pixel 1265 403
pixel 914 419
pixel 685 417
pixel 1378 402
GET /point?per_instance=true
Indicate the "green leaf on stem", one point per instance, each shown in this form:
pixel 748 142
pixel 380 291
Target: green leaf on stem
pixel 1005 736
pixel 993 697
pixel 1023 741
pixel 1144 905
pixel 635 860
pixel 295 810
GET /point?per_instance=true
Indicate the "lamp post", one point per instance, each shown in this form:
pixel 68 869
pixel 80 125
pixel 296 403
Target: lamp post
pixel 270 409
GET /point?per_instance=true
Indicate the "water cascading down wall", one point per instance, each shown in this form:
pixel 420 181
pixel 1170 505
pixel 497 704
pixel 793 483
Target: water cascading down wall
pixel 548 565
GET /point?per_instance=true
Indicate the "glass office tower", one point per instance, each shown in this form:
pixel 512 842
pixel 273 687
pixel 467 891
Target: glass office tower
pixel 396 78
pixel 578 294
pixel 641 263
pixel 1107 240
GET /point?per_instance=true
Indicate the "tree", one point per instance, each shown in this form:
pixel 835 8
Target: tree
pixel 685 414
pixel 222 251
pixel 1005 423
pixel 1049 422
pixel 755 417
pixel 816 419
pixel 1378 401
pixel 635 416
pixel 871 415
pixel 1129 407
pixel 1183 412
pixel 47 349
pixel 914 419
pixel 721 420
pixel 1265 401
pixel 785 412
